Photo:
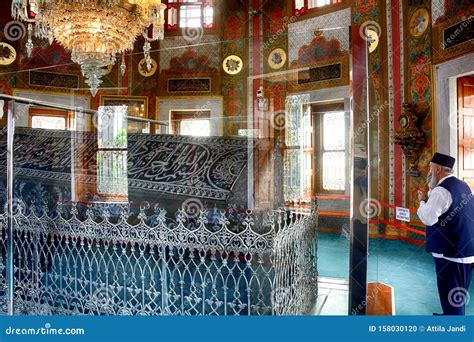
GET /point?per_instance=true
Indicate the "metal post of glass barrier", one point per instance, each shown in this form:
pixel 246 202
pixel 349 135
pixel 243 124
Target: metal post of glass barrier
pixel 10 227
pixel 360 173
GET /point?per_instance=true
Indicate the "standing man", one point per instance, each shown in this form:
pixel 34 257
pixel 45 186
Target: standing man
pixel 448 213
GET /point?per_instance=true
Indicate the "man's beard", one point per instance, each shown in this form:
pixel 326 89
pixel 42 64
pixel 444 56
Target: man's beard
pixel 433 182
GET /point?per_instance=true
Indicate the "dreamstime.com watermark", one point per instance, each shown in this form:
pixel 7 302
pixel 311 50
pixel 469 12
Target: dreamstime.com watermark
pixel 46 330
pixel 370 297
pixel 375 113
pixel 460 30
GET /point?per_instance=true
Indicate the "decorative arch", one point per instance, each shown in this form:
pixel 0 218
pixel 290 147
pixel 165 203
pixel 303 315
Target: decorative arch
pixel 192 72
pixel 320 49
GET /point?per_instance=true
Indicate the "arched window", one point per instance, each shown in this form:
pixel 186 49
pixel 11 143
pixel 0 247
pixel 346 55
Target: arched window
pixel 189 13
pixel 303 6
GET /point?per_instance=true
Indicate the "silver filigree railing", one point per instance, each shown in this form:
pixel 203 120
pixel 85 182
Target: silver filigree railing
pixel 79 260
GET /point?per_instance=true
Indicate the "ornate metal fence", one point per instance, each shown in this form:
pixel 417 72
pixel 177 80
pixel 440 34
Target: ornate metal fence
pixel 77 260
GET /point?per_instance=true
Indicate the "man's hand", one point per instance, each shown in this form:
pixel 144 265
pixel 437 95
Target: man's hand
pixel 422 196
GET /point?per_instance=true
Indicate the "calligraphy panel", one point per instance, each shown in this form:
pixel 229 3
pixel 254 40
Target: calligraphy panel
pixel 203 167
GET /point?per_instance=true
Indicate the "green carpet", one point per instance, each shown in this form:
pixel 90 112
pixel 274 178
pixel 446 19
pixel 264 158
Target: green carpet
pixel 406 267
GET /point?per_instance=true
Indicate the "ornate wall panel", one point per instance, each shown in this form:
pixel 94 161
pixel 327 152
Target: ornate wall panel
pixel 452 23
pixel 334 25
pixel 453 35
pixel 325 51
pixel 437 10
pixel 369 12
pixel 172 47
pixel 234 86
pixel 418 89
pixel 190 73
pixel 445 9
pixel 43 70
pixel 275 36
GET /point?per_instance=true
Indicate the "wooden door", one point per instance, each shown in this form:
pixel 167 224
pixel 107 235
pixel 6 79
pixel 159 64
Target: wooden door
pixel 466 129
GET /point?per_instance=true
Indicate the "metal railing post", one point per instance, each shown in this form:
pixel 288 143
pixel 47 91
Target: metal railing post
pixel 10 226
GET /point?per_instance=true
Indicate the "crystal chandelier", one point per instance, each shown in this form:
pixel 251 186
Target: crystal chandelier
pixel 95 31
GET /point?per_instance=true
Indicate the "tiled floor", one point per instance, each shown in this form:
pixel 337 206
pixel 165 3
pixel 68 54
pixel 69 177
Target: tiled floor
pixel 333 296
pixel 406 267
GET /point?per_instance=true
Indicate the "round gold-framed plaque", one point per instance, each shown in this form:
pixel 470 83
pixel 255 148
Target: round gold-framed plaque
pixel 232 64
pixel 419 21
pixel 108 69
pixel 143 70
pixel 373 39
pixel 7 54
pixel 277 58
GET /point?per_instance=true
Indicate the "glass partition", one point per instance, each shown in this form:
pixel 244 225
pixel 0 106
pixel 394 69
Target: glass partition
pixel 235 181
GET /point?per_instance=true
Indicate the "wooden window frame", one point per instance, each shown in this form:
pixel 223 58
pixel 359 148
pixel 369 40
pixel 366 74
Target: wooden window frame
pixel 317 112
pixel 306 12
pixel 462 141
pixel 58 113
pixel 176 116
pixel 120 149
pixel 178 29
